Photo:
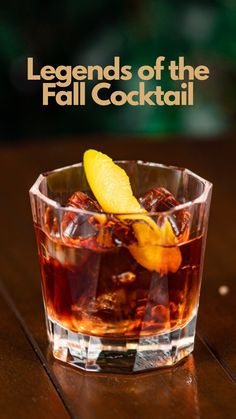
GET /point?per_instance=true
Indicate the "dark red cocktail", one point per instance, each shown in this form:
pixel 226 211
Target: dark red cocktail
pixel 106 309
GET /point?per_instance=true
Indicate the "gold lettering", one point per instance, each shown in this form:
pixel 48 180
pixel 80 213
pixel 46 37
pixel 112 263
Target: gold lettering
pixel 126 72
pixel 64 79
pixel 48 72
pixel 46 93
pixel 159 67
pixel 145 97
pixel 116 94
pixel 75 93
pixel 67 100
pixel 190 93
pixel 114 69
pixel 95 96
pixel 183 68
pixel 173 70
pixel 176 96
pixel 159 93
pixel 202 72
pixel 147 68
pixel 30 72
pixel 79 72
pixel 184 94
pixel 130 99
pixel 82 93
pixel 91 70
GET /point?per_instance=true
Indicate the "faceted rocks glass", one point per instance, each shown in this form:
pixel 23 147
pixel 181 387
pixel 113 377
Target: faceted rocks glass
pixel 107 309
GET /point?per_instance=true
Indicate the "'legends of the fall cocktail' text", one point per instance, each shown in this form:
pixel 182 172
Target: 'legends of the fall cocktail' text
pixel 70 85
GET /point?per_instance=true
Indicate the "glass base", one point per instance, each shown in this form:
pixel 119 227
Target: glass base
pixel 92 353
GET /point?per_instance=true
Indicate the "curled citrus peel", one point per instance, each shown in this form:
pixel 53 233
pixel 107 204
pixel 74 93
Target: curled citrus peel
pixel 156 247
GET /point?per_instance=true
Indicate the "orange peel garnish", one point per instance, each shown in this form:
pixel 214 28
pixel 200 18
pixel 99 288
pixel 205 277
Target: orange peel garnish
pixel 156 248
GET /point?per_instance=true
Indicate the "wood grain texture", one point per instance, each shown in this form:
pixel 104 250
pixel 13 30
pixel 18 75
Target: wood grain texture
pixel 196 388
pixel 26 389
pixel 204 386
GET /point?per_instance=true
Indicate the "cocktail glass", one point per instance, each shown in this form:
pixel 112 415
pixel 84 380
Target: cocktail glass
pixel 105 310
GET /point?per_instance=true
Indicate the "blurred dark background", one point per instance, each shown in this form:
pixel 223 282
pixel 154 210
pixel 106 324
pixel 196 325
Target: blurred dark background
pixel 92 32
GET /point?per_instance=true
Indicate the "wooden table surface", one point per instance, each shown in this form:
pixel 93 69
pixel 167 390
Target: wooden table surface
pixel 32 384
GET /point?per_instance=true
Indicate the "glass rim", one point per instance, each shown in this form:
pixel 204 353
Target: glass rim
pixel 34 190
